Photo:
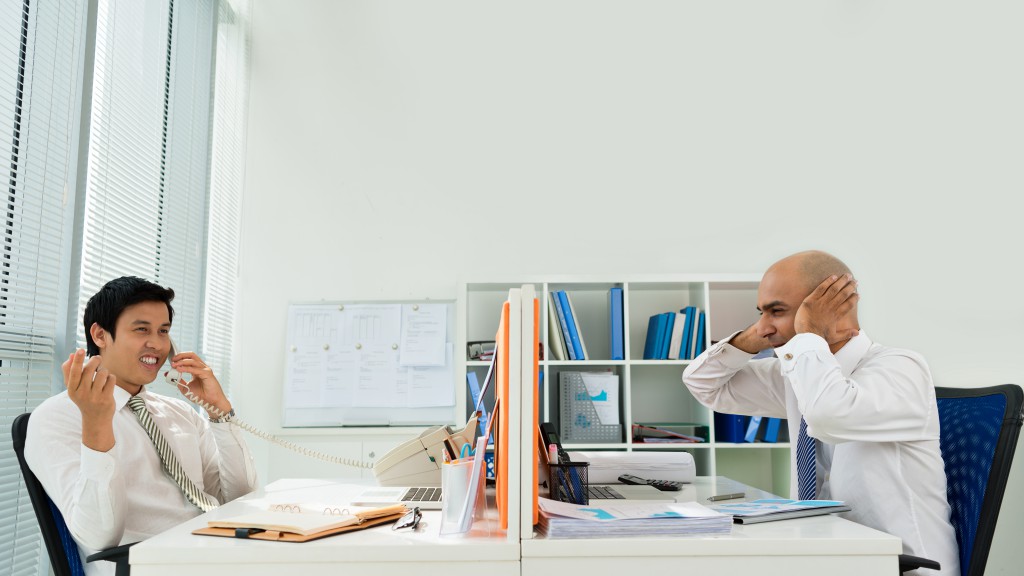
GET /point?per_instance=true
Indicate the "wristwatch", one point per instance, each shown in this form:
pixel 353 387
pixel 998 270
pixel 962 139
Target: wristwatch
pixel 225 418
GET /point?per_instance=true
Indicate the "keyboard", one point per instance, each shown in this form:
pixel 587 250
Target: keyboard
pixel 603 493
pixel 417 494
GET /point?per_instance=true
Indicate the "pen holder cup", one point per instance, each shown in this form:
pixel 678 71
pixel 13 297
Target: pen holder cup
pixel 569 482
pixel 463 485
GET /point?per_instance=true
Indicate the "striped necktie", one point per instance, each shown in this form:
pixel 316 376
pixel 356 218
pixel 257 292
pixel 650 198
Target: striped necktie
pixel 171 465
pixel 806 465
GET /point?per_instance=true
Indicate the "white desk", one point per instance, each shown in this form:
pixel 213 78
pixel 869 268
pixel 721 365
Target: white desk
pixel 824 544
pixel 818 545
pixel 377 551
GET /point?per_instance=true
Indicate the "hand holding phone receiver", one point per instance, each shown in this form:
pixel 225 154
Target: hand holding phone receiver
pixel 175 378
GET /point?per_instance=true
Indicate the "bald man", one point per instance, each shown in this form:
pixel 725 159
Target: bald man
pixel 871 433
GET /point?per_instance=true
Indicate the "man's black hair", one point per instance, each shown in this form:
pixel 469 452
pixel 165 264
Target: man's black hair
pixel 106 306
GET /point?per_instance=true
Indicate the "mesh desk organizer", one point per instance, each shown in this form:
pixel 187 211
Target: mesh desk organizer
pixel 579 421
pixel 569 481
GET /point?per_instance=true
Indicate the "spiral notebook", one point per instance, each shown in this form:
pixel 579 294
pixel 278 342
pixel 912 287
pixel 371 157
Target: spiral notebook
pixel 280 525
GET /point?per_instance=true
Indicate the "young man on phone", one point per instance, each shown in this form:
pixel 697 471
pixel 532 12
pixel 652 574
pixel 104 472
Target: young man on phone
pixel 94 447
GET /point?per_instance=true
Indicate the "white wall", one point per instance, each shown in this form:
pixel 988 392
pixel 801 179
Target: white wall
pixel 393 145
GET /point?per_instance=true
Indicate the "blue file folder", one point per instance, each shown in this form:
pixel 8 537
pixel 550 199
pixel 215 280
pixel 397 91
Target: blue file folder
pixel 615 310
pixel 574 334
pixel 752 428
pixel 684 344
pixel 771 430
pixel 564 324
pixel 701 340
pixel 666 334
pixel 474 392
pixel 730 427
pixel 650 344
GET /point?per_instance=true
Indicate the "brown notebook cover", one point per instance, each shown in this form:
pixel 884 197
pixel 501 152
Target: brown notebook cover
pixel 276 536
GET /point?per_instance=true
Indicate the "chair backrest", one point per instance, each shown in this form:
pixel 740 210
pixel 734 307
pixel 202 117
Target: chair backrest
pixel 978 434
pixel 63 552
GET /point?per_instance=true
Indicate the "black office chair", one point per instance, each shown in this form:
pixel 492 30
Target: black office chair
pixel 978 430
pixel 61 548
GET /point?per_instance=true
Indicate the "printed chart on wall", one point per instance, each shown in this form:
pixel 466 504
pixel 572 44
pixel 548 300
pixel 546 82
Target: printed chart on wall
pixel 369 364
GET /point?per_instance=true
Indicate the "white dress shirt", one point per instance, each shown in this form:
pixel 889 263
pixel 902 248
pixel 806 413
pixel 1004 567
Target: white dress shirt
pixel 122 496
pixel 872 411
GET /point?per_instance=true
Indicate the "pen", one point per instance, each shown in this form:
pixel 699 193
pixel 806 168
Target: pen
pixel 718 497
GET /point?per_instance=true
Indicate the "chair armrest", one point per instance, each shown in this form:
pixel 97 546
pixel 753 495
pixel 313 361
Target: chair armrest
pixel 117 555
pixel 908 563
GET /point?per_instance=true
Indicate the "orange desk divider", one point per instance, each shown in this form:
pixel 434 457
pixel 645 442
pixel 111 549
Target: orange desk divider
pixel 501 454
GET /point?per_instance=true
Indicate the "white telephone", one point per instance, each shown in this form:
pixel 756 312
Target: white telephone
pixel 413 463
pixel 418 461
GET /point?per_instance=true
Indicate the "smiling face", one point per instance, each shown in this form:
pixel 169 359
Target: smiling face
pixel 141 345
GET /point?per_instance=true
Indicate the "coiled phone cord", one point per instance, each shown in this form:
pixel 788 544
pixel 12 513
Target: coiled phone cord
pixel 174 377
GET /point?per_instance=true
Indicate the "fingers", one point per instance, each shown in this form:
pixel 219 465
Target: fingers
pixel 73 370
pixel 89 381
pixel 836 290
pixel 66 368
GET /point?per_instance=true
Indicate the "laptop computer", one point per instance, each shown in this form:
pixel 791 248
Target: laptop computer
pixel 429 498
pixel 424 497
pixel 628 492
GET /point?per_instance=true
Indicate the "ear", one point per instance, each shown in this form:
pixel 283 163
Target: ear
pixel 99 335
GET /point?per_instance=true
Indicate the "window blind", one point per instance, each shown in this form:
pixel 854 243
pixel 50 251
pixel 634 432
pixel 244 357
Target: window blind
pixel 148 153
pixel 230 109
pixel 41 45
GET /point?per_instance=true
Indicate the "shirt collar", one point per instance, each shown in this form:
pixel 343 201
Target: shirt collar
pixel 850 355
pixel 121 396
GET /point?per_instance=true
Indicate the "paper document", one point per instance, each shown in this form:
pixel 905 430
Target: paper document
pixel 614 520
pixel 422 342
pixel 608 511
pixel 603 389
pixel 770 509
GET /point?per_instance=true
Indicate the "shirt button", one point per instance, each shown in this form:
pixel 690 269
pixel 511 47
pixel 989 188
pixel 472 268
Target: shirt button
pixel 788 356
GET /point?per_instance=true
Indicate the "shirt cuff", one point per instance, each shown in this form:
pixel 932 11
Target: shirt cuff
pixel 797 346
pixel 98 466
pixel 729 355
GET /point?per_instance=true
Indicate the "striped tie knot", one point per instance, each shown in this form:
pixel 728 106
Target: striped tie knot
pixel 170 463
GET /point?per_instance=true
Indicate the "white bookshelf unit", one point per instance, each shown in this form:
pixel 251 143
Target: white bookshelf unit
pixel 650 390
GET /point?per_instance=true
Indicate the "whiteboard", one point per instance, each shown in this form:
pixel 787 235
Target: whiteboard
pixel 369 364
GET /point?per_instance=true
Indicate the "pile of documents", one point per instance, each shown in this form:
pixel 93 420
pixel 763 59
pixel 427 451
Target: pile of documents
pixel 606 467
pixel 632 519
pixel 771 509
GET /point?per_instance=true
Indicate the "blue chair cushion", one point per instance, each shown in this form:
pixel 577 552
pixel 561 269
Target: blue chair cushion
pixel 968 436
pixel 70 548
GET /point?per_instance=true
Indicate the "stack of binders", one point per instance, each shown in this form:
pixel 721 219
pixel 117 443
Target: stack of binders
pixel 676 335
pixel 564 329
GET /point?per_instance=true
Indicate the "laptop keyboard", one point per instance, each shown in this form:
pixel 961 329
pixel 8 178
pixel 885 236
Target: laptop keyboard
pixel 603 493
pixel 422 495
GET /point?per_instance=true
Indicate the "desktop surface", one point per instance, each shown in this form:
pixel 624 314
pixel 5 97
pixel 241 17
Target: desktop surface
pixel 380 550
pixel 790 547
pixel 813 545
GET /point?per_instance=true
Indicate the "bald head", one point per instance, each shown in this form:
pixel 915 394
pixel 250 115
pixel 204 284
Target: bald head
pixel 809 268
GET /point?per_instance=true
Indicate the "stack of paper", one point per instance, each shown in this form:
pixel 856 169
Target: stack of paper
pixel 633 519
pixel 605 467
pixel 767 510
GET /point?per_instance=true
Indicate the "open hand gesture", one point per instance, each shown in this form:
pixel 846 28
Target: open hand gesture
pixel 91 388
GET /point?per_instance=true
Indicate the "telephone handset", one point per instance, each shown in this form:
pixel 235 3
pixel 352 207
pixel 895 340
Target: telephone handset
pixel 174 378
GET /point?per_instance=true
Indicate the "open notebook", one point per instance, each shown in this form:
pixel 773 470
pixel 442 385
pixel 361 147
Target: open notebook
pixel 285 526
